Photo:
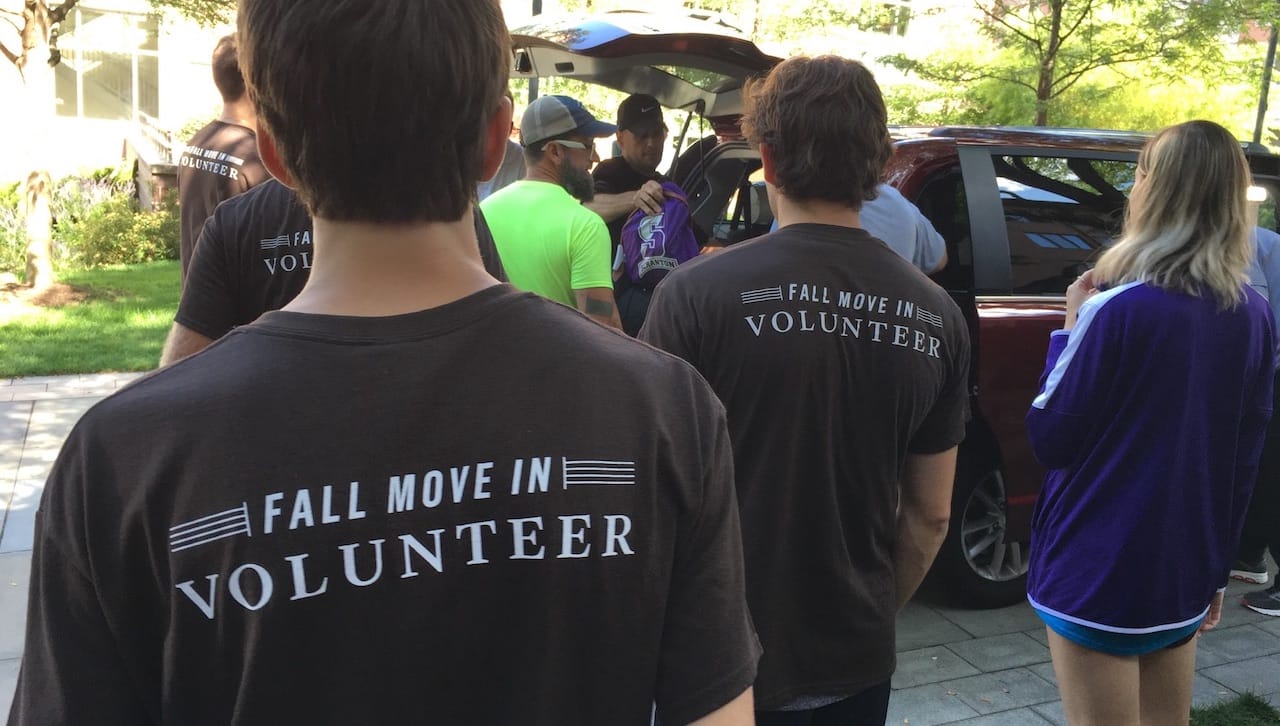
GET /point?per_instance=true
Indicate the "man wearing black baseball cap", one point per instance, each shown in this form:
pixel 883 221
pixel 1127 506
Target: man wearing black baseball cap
pixel 549 243
pixel 629 182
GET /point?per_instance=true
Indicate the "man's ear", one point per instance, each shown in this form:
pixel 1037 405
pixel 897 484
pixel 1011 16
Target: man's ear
pixel 271 158
pixel 766 162
pixel 495 139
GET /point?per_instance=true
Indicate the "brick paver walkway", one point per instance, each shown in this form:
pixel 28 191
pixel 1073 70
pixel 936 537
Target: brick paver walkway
pixel 980 668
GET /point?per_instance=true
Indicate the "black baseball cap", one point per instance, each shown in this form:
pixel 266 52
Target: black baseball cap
pixel 640 111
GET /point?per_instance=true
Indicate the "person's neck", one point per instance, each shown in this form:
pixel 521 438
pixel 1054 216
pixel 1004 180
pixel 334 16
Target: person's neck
pixel 240 113
pixel 791 211
pixel 640 169
pixel 542 173
pixel 369 270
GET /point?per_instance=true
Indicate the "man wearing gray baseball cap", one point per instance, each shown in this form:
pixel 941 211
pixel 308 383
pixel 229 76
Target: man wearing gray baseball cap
pixel 549 243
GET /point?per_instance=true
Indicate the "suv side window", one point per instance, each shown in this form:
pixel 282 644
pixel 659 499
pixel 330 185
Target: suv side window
pixel 942 201
pixel 1060 212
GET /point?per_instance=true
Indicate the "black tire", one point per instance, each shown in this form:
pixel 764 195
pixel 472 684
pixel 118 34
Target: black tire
pixel 977 567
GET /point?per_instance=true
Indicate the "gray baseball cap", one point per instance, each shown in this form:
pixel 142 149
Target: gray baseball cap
pixel 552 116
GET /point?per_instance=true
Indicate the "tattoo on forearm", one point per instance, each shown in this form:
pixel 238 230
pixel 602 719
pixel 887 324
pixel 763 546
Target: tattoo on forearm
pixel 602 308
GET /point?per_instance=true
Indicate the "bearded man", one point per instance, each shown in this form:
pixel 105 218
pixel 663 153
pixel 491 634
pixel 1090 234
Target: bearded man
pixel 549 243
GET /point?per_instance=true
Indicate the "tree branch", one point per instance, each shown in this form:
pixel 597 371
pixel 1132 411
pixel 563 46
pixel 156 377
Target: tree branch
pixel 983 76
pixel 58 14
pixel 15 26
pixel 1086 12
pixel 1067 79
pixel 1015 30
pixel 1061 85
pixel 14 13
pixel 10 55
pixel 954 73
pixel 1006 79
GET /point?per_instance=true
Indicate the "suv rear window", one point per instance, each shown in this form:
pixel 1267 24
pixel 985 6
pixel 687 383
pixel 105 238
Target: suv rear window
pixel 1061 213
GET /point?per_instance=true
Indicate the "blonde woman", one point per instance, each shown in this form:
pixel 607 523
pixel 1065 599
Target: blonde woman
pixel 1150 418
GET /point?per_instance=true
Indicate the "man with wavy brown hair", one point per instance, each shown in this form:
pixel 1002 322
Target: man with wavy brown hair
pixel 403 498
pixel 843 370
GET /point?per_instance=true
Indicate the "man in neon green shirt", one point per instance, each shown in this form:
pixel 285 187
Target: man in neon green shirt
pixel 549 243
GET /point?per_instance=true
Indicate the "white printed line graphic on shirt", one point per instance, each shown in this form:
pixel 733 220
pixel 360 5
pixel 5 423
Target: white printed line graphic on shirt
pixel 204 530
pixel 762 295
pixel 275 242
pixel 596 472
pixel 928 317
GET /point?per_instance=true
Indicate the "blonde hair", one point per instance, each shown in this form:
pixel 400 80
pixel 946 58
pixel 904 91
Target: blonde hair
pixel 1187 224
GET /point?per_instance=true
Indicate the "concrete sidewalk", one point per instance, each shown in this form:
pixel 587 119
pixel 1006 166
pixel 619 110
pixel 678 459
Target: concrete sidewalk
pixel 991 667
pixel 981 668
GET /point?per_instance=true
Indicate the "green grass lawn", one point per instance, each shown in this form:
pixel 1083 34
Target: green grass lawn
pixel 1247 710
pixel 121 326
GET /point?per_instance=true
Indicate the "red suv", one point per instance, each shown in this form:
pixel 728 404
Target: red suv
pixel 1023 211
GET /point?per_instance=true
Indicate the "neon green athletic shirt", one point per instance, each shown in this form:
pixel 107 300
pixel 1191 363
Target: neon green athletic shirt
pixel 549 243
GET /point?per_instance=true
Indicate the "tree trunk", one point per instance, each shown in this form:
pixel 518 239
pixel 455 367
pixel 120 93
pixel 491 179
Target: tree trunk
pixel 1048 61
pixel 33 63
pixel 38 217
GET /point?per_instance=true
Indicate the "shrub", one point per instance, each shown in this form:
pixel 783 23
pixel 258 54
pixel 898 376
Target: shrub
pixel 74 196
pixel 10 197
pixel 13 233
pixel 96 221
pixel 13 240
pixel 116 232
pixel 74 201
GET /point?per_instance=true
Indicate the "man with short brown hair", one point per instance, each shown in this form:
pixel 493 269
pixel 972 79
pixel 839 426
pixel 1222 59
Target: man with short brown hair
pixel 221 160
pixel 404 497
pixel 844 373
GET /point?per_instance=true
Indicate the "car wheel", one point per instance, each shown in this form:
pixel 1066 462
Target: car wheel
pixel 977 565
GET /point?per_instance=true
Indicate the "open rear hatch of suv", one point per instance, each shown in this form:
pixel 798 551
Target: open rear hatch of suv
pixel 686 63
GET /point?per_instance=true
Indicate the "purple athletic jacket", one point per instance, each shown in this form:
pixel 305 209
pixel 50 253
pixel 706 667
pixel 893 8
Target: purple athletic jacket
pixel 1150 417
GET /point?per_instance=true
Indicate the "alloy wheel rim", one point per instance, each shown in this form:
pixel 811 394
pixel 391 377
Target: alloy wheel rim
pixel 983 531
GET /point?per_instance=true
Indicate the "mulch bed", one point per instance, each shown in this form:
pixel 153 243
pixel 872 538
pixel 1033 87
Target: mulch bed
pixel 17 299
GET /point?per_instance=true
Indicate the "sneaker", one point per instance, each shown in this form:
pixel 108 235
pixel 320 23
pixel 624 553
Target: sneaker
pixel 1254 573
pixel 1265 601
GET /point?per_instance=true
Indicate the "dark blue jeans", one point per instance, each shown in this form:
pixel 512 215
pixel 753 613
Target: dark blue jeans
pixel 868 708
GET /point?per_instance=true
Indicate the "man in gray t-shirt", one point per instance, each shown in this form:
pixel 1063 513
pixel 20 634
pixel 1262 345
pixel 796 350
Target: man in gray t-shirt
pixel 898 223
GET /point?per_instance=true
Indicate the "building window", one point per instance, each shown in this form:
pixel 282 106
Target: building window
pixel 110 65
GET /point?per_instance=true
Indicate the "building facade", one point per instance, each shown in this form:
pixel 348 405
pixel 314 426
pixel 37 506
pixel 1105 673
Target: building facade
pixel 122 64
